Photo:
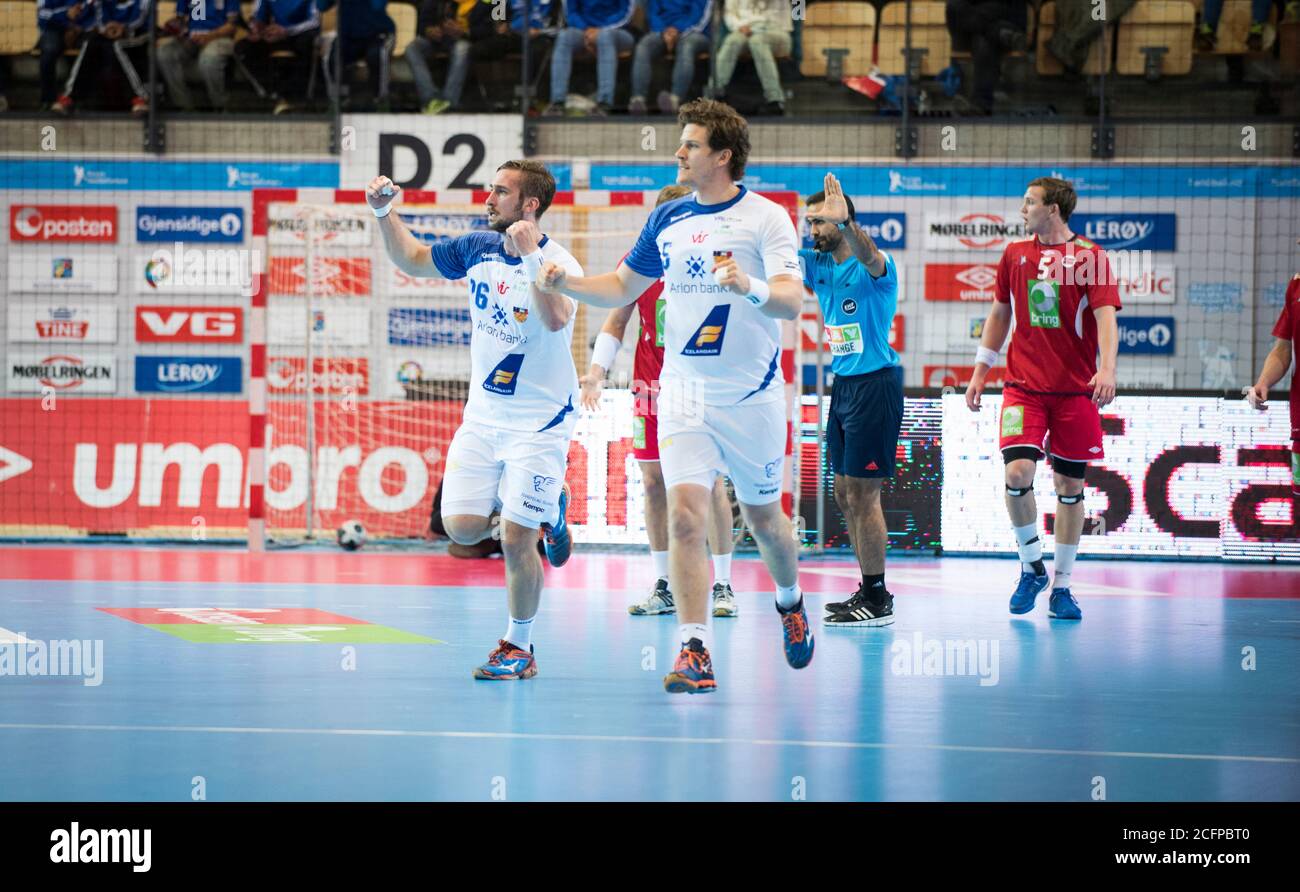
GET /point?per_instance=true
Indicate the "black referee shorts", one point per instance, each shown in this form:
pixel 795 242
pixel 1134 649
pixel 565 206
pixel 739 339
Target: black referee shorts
pixel 866 413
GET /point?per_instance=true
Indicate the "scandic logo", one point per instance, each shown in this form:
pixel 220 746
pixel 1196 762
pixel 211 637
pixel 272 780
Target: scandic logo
pixel 331 276
pixel 213 325
pixel 63 223
pixel 287 374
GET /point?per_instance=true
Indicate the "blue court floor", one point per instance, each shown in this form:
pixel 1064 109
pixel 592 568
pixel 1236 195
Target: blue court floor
pixel 1151 697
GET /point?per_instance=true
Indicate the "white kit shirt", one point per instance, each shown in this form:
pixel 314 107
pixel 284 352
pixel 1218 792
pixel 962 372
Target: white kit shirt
pixel 522 376
pixel 716 343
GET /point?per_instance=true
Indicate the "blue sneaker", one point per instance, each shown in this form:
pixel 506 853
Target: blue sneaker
pixel 798 635
pixel 508 662
pixel 1027 591
pixel 559 545
pixel 693 671
pixel 1063 606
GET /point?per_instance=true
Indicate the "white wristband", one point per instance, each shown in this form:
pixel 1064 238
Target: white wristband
pixel 533 264
pixel 985 355
pixel 759 292
pixel 607 347
pixel 383 211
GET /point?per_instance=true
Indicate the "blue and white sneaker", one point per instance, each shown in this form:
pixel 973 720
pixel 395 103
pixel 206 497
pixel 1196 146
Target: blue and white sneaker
pixel 1027 592
pixel 507 663
pixel 1063 606
pixel 559 545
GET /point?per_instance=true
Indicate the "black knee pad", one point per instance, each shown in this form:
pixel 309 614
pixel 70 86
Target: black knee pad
pixel 1023 491
pixel 1016 453
pixel 1072 469
pixel 1069 500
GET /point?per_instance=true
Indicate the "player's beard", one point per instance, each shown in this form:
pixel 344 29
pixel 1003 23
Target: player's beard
pixel 500 223
pixel 827 244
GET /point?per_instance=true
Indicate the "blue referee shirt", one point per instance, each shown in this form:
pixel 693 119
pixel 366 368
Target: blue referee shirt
pixel 858 310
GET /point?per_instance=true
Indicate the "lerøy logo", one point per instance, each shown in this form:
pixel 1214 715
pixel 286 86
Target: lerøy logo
pixel 190 224
pixel 1152 232
pixel 188 374
pixel 63 223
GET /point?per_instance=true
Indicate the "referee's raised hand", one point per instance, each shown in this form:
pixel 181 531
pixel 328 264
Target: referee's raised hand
pixel 381 191
pixel 834 208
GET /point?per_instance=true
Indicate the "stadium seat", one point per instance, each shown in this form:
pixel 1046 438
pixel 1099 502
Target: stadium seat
pixel 1048 65
pixel 850 26
pixel 18 28
pixel 929 32
pixel 1156 23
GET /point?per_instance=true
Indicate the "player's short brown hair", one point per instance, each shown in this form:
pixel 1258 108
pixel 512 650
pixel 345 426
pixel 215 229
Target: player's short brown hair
pixel 535 182
pixel 668 193
pixel 1059 193
pixel 727 130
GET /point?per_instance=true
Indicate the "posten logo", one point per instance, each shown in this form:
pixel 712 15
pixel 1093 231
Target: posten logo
pixel 1044 303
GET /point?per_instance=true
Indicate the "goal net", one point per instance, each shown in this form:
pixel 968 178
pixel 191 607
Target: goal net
pixel 366 369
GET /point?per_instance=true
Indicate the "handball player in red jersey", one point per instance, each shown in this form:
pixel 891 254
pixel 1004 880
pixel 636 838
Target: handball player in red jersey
pixel 1061 294
pixel 646 365
pixel 1276 364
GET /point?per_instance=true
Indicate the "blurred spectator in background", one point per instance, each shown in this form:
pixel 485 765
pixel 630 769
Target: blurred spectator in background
pixel 365 32
pixel 60 22
pixel 1076 30
pixel 1258 38
pixel 277 25
pixel 989 29
pixel 764 26
pixel 444 29
pixel 203 30
pixel 598 26
pixel 678 27
pixel 117 37
pixel 504 38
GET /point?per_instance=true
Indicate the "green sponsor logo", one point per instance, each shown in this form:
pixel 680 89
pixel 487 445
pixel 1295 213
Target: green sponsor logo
pixel 258 633
pixel 845 339
pixel 638 433
pixel 1044 303
pixel 1013 421
pixel 661 308
pixel 1295 468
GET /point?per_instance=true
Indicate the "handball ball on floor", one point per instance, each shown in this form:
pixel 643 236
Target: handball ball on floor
pixel 352 535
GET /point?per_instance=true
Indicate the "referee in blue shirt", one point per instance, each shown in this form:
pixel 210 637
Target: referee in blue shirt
pixel 857 286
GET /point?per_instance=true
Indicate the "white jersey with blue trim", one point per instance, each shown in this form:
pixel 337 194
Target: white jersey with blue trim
pixel 716 343
pixel 522 376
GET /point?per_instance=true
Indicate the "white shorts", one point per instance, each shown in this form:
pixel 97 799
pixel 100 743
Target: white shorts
pixel 747 443
pixel 522 472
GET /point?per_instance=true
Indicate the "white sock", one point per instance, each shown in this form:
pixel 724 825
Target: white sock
pixel 687 631
pixel 1030 551
pixel 1063 564
pixel 722 567
pixel 787 597
pixel 661 563
pixel 520 632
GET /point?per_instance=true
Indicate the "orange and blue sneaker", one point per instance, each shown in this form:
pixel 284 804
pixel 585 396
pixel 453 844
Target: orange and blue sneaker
pixel 508 662
pixel 559 545
pixel 798 636
pixel 693 671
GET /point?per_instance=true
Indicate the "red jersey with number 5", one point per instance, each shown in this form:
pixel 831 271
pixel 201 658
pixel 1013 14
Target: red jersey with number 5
pixel 1288 329
pixel 1053 290
pixel 649 359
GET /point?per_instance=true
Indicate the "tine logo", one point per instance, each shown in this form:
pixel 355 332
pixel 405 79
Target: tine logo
pixel 505 377
pixel 214 325
pixel 708 338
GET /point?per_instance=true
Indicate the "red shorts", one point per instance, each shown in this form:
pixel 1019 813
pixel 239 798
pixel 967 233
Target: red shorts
pixel 645 434
pixel 1067 427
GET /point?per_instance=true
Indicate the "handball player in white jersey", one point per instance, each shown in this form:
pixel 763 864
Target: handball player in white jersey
pixel 730 265
pixel 512 447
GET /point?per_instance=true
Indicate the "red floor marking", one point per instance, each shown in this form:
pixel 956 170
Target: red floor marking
pixel 594 571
